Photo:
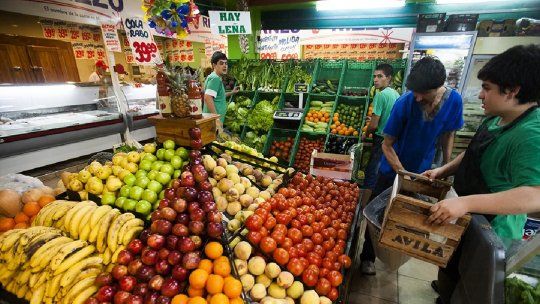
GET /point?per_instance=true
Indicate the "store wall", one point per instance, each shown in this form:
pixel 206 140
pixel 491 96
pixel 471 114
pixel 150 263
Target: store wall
pixel 234 49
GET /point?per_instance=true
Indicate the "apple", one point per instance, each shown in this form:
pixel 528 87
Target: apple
pixel 142 181
pixel 154 186
pixel 190 194
pixel 174 258
pixel 149 256
pixel 168 154
pixel 125 257
pixel 169 194
pixel 141 289
pixel 205 186
pixel 176 173
pixel 156 241
pixel 135 246
pixel 105 294
pixel 182 152
pixel 179 205
pixel 149 148
pixel 156 165
pixel 194 133
pixel 150 196
pixel 151 298
pixel 168 144
pixel 145 273
pixel 124 191
pixel 160 153
pixel 168 213
pixel 150 157
pixel 176 162
pixel 132 167
pixel 179 273
pixel 163 178
pixel 135 299
pixel 145 165
pixel 163 300
pixel 161 226
pixel 119 271
pixel 175 183
pixel 196 144
pixel 170 287
pixel 152 174
pixel 121 297
pixel 191 260
pixel 186 245
pixel 129 205
pixel 187 179
pixel 136 192
pixel 143 207
pixel 196 227
pixel 215 230
pixel 180 230
pixel 162 194
pixel 119 203
pixel 163 267
pixel 197 215
pixel 214 216
pixel 105 278
pixel 197 240
pixel 171 242
pixel 127 283
pixel 167 168
pixel 113 183
pixel 129 179
pixel 141 173
pixel 132 268
pixel 133 156
pixel 108 198
pixel 163 203
pixel 195 154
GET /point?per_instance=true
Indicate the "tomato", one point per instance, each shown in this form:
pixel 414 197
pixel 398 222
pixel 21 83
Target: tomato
pixel 345 260
pixel 278 237
pixel 295 267
pixel 328 245
pixel 304 262
pixel 332 232
pixel 325 233
pixel 310 218
pixel 281 228
pixel 317 227
pixel 335 278
pixel 282 205
pixel 281 256
pixel 293 252
pixel 292 192
pixel 314 259
pixel 307 231
pixel 302 218
pixel 319 250
pixel 296 224
pixel 336 266
pixel 323 272
pixel 265 205
pixel 338 249
pixel 301 250
pixel 308 245
pixel 254 222
pixel 323 287
pixel 254 237
pixel 332 256
pixel 287 243
pixel 317 238
pixel 284 191
pixel 270 222
pixel 310 277
pixel 263 231
pixel 295 235
pixel 333 294
pixel 283 218
pixel 293 212
pixel 327 263
pixel 263 213
pixel 268 244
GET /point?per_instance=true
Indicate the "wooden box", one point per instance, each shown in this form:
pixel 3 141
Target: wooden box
pixel 177 129
pixel 405 229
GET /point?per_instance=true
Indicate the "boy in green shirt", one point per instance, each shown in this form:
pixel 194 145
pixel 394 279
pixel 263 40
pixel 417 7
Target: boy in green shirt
pixel 214 90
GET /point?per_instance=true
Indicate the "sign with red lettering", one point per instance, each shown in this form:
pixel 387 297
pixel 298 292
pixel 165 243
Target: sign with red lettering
pixel 78 50
pixel 74 32
pixel 145 50
pixel 110 37
pixel 49 31
pixel 100 51
pixel 90 51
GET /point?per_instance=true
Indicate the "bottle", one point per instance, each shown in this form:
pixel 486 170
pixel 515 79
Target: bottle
pixel 195 99
pixel 163 93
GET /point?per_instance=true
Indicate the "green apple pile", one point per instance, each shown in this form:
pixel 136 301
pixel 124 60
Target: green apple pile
pixel 143 188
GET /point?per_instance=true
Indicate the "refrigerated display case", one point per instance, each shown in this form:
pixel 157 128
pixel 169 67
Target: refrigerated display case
pixel 453 49
pixel 141 104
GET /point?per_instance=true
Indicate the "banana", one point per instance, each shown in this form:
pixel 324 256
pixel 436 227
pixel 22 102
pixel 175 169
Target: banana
pixel 69 215
pixel 107 255
pixel 10 239
pixel 85 233
pixel 38 294
pixel 114 257
pixel 24 277
pixel 95 229
pixel 85 222
pixel 136 222
pixel 60 223
pixel 90 272
pixel 98 214
pixel 72 273
pixel 77 219
pixel 40 253
pixel 41 277
pixel 40 217
pixel 39 242
pixel 78 288
pixel 84 295
pixel 61 210
pixel 21 291
pixel 130 234
pixel 53 285
pixel 104 228
pixel 74 258
pixel 112 235
pixel 68 249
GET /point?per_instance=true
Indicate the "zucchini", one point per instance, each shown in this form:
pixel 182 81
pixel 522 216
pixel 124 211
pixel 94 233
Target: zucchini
pixel 316 103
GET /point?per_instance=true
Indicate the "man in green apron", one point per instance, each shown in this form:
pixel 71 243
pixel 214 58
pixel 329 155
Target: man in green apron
pixel 499 174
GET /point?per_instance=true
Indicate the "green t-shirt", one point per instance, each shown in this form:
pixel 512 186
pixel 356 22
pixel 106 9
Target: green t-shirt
pixel 213 86
pixel 510 161
pixel 382 106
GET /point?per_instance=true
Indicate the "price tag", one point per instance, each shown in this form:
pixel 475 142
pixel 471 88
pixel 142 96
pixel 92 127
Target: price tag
pixel 300 88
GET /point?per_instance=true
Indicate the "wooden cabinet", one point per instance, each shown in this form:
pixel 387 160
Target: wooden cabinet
pixel 36 60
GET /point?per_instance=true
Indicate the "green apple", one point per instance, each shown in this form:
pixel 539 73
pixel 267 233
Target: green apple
pixel 143 207
pixel 161 194
pixel 149 148
pixel 152 174
pixel 145 165
pixel 157 165
pixel 167 168
pixel 154 186
pixel 177 173
pixel 129 179
pixel 150 157
pixel 124 191
pixel 168 154
pixel 160 154
pixel 119 203
pixel 141 173
pixel 149 195
pixel 136 192
pixel 155 206
pixel 168 144
pixel 129 205
pixel 142 182
pixel 108 198
pixel 182 152
pixel 163 178
pixel 176 162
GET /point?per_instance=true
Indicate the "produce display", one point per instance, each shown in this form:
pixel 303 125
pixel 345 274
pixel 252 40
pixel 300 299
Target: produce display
pixel 368 118
pixel 267 163
pixel 281 148
pixel 237 113
pixel 246 73
pixel 261 116
pixel 305 148
pixel 318 116
pixel 339 144
pixel 325 87
pixel 272 76
pixel 354 91
pixel 18 211
pixel 519 291
pixel 265 75
pixel 347 120
pixel 297 75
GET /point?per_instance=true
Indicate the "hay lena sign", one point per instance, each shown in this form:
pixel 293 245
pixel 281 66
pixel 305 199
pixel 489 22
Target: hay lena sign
pixel 230 22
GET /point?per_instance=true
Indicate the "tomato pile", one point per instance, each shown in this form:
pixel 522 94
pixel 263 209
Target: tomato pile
pixel 282 148
pixel 305 148
pixel 304 227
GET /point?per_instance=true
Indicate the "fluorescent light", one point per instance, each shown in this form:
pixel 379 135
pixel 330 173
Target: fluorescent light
pixel 464 1
pixel 327 5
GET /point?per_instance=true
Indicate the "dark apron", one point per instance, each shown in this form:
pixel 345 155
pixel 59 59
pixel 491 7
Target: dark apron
pixel 469 179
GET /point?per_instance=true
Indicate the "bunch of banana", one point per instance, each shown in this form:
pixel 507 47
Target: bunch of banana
pixel 102 226
pixel 397 80
pixel 42 265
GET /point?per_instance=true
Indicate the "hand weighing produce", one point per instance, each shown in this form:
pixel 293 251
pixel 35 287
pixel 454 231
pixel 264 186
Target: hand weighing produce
pixel 305 148
pixel 325 87
pixel 281 147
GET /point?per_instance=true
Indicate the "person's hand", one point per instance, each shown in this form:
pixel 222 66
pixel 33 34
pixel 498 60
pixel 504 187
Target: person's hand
pixel 235 90
pixel 433 173
pixel 447 210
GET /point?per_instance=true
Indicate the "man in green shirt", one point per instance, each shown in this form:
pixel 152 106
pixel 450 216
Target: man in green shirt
pixel 499 174
pixel 214 90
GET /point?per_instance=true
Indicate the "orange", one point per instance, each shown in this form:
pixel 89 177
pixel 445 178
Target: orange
pixel 355 133
pixel 227 279
pixel 196 300
pixel 20 226
pixel 219 299
pixel 197 279
pixel 6 224
pixel 233 288
pixel 206 265
pixel 45 199
pixel 31 208
pixel 213 250
pixel 222 266
pixel 214 284
pixel 236 301
pixel 195 292
pixel 21 218
pixel 180 299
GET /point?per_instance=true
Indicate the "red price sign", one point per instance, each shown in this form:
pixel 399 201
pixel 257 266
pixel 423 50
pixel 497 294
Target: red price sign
pixel 269 55
pixel 49 32
pixel 74 34
pixel 62 33
pixel 188 44
pixel 86 36
pixel 90 54
pixel 175 43
pixel 190 58
pixel 100 53
pixel 145 51
pixel 79 54
pixel 96 37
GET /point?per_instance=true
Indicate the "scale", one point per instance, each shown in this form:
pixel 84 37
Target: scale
pixel 290 117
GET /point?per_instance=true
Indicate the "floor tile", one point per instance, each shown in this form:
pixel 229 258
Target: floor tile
pixel 383 285
pixel 419 269
pixel 415 291
pixel 360 298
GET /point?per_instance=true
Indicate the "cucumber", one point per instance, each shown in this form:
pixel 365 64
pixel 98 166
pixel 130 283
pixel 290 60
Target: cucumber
pixel 316 103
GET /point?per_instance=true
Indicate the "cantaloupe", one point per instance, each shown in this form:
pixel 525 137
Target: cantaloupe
pixel 10 202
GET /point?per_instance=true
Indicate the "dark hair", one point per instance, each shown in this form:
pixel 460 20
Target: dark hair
pixel 516 67
pixel 387 69
pixel 426 74
pixel 217 56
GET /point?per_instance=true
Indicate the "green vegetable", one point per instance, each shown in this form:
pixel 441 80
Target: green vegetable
pixel 519 292
pixel 261 117
pixel 298 75
pixel 237 112
pixel 255 141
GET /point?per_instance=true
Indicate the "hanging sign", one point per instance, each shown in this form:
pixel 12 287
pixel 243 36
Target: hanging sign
pixel 47 26
pixel 230 22
pixel 141 41
pixel 110 37
pixel 280 44
pixel 78 50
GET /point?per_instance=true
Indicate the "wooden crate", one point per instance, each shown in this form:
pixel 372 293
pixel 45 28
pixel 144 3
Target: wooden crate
pixel 177 129
pixel 405 229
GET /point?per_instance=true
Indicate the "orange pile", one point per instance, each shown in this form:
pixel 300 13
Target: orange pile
pixel 318 116
pixel 212 282
pixel 24 218
pixel 341 129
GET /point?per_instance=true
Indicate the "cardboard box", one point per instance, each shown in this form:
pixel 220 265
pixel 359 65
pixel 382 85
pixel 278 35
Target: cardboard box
pixel 336 166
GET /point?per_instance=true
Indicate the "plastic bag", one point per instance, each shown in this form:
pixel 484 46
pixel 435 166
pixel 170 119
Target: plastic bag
pixel 19 182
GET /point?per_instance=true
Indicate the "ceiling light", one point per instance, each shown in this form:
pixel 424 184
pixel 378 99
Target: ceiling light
pixel 327 5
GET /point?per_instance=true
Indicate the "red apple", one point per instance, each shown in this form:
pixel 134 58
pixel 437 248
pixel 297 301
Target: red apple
pixel 163 267
pixel 162 227
pixel 196 144
pixel 180 273
pixel 168 213
pixel 106 278
pixel 195 133
pixel 133 267
pixel 151 298
pixel 135 246
pixel 156 282
pixel 134 299
pixel 187 179
pixel 163 203
pixel 163 253
pixel 141 289
pixel 180 230
pixel 121 297
pixel 118 272
pixel 171 241
pixel 125 257
pixel 205 196
pixel 91 300
pixel 214 216
pixel 191 260
pixel 174 257
pixel 209 206
pixel 196 227
pixel 156 241
pixel 205 186
pixel 215 230
pixel 199 173
pixel 170 288
pixel 149 256
pixel 156 215
pixel 190 194
pixel 163 300
pixel 127 283
pixel 145 273
pixel 193 155
pixel 169 194
pixel 179 205
pixel 186 245
pixel 105 294
pixel 144 235
pixel 175 184
pixel 197 215
pixel 196 240
pixel 193 206
pixel 182 218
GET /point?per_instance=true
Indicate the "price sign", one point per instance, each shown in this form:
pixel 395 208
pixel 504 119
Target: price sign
pixel 141 41
pixel 300 88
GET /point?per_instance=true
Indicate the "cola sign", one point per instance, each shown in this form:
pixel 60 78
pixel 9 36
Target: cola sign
pixel 145 50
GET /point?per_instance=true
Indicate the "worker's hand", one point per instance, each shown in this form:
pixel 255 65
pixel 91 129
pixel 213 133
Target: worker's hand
pixel 448 210
pixel 235 90
pixel 433 173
